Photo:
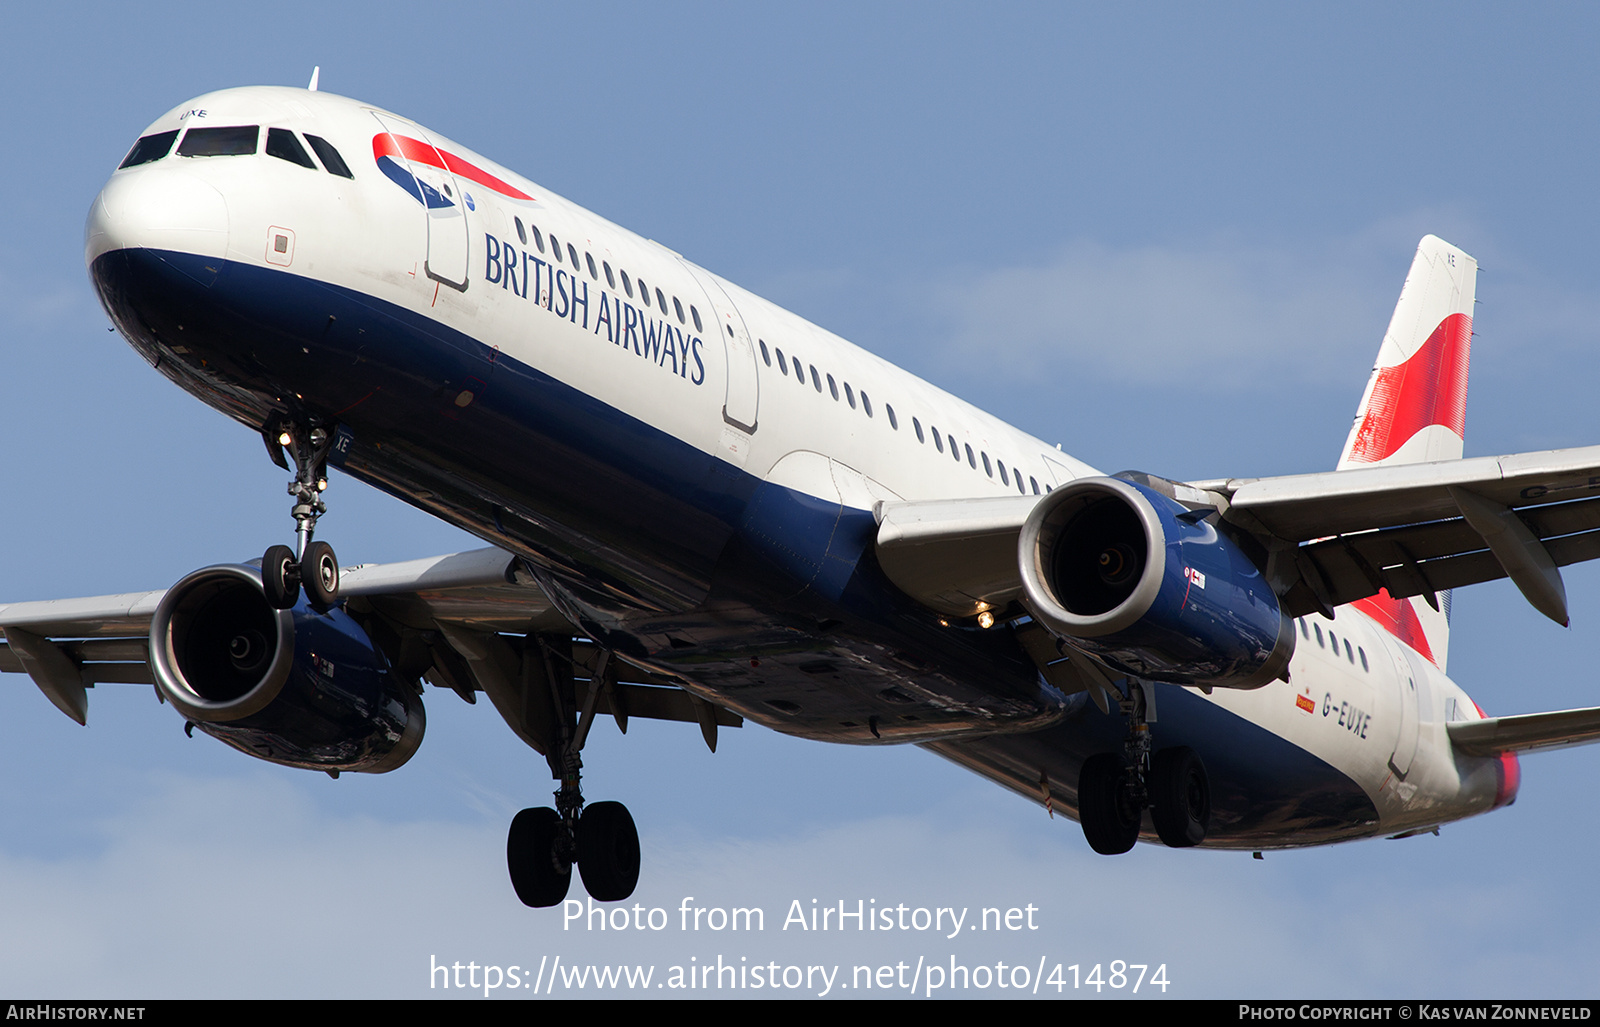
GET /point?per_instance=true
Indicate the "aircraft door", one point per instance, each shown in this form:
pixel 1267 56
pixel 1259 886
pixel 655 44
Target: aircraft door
pixel 406 154
pixel 1405 747
pixel 740 404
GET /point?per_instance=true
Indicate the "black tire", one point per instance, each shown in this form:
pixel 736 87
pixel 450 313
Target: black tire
pixel 538 873
pixel 1180 797
pixel 608 851
pixel 1109 817
pixel 319 573
pixel 280 578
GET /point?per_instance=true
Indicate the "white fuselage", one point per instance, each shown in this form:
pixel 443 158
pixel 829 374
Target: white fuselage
pixel 722 371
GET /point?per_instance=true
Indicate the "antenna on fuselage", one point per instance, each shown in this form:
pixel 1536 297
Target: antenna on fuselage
pixel 314 73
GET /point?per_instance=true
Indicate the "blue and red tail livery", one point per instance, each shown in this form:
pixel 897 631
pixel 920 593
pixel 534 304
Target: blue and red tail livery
pixel 701 508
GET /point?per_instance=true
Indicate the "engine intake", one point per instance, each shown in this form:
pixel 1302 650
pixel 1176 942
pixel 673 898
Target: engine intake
pixel 1133 577
pixel 297 687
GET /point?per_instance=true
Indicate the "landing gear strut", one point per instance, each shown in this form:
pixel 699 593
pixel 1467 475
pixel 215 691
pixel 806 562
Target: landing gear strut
pixel 601 839
pixel 310 564
pixel 1115 789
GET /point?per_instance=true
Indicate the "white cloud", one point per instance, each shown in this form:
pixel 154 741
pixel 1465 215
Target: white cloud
pixel 244 887
pixel 1221 315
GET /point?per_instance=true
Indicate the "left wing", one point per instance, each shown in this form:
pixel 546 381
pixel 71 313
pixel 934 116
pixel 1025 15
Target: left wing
pixel 452 620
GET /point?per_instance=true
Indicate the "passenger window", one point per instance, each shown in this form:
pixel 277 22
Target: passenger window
pixel 1034 482
pixel 661 301
pixel 816 379
pixel 678 308
pixel 149 148
pixel 282 144
pixel 696 315
pixel 538 239
pixel 521 232
pixel 782 366
pixel 971 461
pixel 1318 629
pixel 938 440
pixel 644 292
pixel 849 397
pixel 1002 465
pixel 833 387
pixel 233 141
pixel 916 426
pixel 611 279
pixel 866 405
pixel 763 343
pixel 572 251
pixel 329 156
pixel 593 272
pixel 1363 653
pixel 1021 490
pixel 555 247
pixel 953 450
pixel 627 285
pixel 1347 653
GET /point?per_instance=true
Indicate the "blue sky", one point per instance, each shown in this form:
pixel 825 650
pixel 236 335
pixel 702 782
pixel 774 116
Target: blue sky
pixel 1168 237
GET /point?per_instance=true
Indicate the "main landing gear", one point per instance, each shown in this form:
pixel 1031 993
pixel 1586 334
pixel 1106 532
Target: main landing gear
pixel 1115 789
pixel 600 838
pixel 310 565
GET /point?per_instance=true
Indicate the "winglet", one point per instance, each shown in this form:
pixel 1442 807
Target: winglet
pixel 316 71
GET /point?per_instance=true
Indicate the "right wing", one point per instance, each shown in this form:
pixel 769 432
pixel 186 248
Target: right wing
pixel 1331 538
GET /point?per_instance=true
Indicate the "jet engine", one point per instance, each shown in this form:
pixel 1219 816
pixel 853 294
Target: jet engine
pixel 301 687
pixel 1150 587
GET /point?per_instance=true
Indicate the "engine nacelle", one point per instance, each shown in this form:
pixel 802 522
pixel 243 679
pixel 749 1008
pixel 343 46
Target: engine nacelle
pixel 1146 585
pixel 297 687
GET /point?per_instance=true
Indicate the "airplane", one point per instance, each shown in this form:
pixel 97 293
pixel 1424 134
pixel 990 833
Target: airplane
pixel 700 507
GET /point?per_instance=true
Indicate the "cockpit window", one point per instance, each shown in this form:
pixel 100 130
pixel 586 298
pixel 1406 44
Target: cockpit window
pixel 329 156
pixel 231 141
pixel 282 144
pixel 149 148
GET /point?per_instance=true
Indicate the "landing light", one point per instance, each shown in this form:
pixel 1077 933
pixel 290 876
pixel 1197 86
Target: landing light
pixel 284 438
pixel 986 619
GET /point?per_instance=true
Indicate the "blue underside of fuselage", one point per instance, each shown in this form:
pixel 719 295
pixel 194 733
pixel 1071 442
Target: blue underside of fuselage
pixel 767 600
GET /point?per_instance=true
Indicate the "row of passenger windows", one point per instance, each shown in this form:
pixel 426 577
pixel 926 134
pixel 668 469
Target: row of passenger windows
pixel 1333 642
pixel 237 141
pixel 282 143
pixel 1007 477
pixel 611 276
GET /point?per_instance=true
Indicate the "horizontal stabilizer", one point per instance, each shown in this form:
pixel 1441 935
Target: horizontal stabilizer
pixel 1495 735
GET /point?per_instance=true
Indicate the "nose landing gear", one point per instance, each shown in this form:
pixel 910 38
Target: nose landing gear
pixel 310 565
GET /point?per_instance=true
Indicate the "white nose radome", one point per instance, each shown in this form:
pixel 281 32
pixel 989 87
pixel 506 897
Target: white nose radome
pixel 159 209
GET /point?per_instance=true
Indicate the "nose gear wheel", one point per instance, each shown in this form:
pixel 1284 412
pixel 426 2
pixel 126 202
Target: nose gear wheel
pixel 311 565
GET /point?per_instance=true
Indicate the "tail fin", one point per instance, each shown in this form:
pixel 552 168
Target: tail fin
pixel 1414 409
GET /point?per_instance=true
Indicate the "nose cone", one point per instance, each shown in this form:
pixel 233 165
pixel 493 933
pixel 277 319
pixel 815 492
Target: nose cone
pixel 157 208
